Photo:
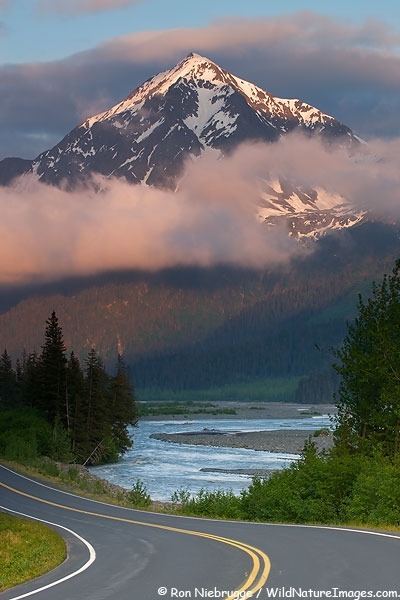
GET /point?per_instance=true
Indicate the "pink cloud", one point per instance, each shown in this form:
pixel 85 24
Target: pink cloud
pixel 49 233
pixel 73 7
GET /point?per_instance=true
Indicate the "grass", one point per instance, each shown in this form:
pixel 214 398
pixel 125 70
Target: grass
pixel 27 549
pixel 273 389
pixel 181 408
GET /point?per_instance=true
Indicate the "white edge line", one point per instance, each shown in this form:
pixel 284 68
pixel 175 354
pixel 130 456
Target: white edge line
pixel 268 524
pixel 334 528
pixel 92 554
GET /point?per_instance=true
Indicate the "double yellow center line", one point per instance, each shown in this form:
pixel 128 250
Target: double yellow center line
pixel 261 563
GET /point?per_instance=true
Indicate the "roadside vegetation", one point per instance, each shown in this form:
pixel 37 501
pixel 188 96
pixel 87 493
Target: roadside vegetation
pixel 27 550
pixel 333 489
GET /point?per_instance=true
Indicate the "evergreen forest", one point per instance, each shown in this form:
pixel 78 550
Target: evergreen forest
pixel 52 405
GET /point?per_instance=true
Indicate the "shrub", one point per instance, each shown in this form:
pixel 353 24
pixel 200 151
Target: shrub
pixel 313 490
pixel 375 497
pixel 138 495
pixel 217 504
pixel 24 435
pixel 180 498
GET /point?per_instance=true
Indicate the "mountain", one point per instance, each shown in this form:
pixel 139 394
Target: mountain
pixel 193 108
pixel 196 105
pixel 185 329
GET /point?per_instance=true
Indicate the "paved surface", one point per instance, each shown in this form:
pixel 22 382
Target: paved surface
pixel 126 554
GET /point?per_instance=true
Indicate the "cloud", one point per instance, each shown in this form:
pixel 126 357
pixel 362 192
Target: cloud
pixel 48 234
pixel 348 71
pixel 74 7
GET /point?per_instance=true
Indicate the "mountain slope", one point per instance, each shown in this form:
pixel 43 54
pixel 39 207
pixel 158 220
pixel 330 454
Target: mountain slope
pixel 308 213
pixel 195 328
pixel 195 106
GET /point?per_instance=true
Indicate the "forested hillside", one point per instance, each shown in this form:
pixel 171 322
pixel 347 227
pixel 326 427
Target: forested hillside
pixel 194 329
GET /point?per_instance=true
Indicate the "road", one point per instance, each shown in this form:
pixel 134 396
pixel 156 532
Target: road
pixel 124 554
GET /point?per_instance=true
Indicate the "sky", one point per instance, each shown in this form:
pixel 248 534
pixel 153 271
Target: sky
pixel 62 61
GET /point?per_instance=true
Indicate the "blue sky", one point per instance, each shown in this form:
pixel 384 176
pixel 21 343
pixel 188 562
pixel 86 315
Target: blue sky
pixel 64 60
pixel 33 32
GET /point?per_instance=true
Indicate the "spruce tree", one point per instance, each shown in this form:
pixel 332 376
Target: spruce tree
pixel 123 406
pixel 29 380
pixel 75 390
pixel 98 436
pixel 8 382
pixel 53 372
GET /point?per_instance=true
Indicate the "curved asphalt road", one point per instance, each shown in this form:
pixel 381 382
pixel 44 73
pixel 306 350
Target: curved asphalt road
pixel 121 554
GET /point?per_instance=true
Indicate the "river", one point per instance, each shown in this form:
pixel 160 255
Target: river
pixel 166 467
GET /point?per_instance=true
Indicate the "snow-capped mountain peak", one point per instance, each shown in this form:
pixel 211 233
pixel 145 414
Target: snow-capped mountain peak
pixel 211 83
pixel 194 107
pixel 194 67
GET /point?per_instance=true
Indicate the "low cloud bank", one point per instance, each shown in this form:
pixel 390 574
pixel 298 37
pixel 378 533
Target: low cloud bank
pixel 48 233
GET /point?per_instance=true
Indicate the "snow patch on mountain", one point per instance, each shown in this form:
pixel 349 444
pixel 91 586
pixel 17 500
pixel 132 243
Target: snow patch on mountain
pixel 309 214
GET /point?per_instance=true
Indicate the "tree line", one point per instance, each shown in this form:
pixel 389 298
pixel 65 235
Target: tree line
pixel 88 409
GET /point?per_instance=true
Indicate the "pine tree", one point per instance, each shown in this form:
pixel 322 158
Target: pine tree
pixel 29 380
pixel 98 438
pixel 75 417
pixel 53 372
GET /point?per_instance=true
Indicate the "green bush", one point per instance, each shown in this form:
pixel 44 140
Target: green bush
pixel 48 467
pixel 375 497
pixel 316 489
pixel 138 495
pixel 24 435
pixel 60 446
pixel 216 504
pixel 180 498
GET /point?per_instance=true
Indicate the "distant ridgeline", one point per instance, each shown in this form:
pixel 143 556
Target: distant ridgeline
pixel 87 411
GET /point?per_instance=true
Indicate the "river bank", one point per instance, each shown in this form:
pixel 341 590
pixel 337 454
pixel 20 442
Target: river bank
pixel 288 441
pixel 247 410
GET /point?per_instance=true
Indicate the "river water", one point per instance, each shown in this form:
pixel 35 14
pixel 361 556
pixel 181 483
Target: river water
pixel 167 467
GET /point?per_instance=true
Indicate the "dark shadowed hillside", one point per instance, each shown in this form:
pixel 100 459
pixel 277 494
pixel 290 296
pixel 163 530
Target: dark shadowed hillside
pixel 194 328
